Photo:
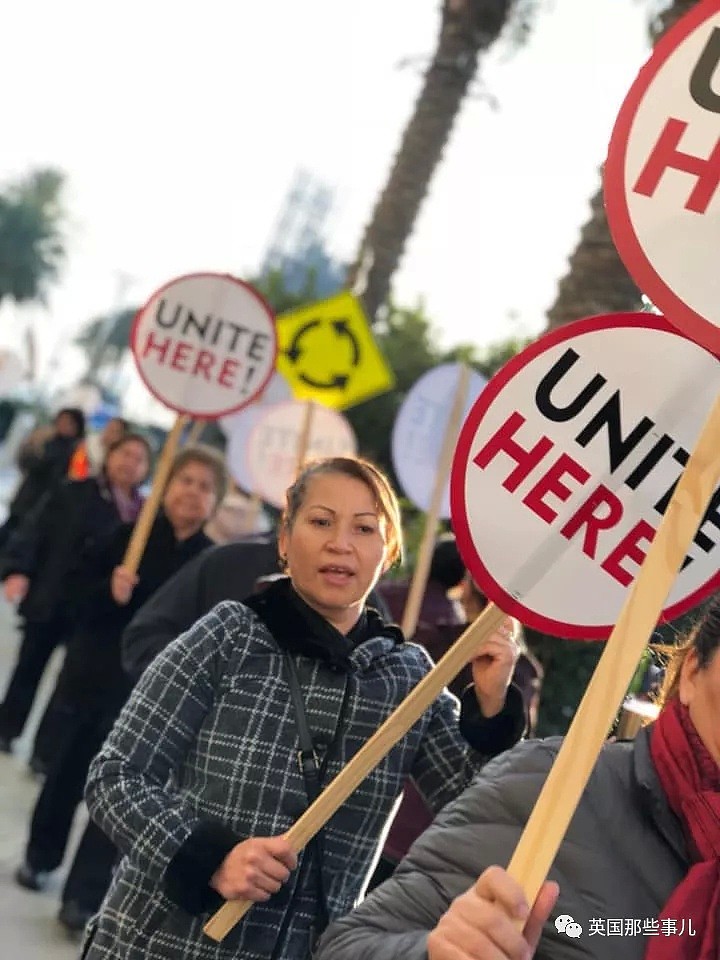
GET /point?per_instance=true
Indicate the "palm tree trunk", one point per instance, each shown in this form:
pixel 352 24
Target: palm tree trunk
pixel 597 281
pixel 468 28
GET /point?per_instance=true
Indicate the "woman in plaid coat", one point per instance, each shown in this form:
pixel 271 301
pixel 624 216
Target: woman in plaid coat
pixel 199 779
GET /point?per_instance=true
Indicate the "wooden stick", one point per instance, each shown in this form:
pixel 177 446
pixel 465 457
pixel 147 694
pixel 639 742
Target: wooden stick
pixel 146 518
pixel 195 432
pixel 573 765
pixel 304 441
pixel 371 753
pixel 416 593
pixel 254 508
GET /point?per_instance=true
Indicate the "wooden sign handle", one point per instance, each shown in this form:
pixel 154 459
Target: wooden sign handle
pixel 416 593
pixel 195 432
pixel 372 752
pixel 146 518
pixel 573 765
pixel 304 439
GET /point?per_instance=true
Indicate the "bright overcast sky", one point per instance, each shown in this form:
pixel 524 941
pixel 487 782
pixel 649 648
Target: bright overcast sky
pixel 180 127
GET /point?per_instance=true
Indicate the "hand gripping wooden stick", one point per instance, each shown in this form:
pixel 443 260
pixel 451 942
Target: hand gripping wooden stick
pixel 146 518
pixel 573 765
pixel 372 752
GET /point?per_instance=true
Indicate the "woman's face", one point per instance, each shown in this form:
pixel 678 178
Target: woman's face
pixel 114 430
pixel 191 496
pixel 66 425
pixel 127 465
pixel 700 692
pixel 336 548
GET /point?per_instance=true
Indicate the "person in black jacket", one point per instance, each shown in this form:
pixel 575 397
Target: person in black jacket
pixel 40 556
pixel 92 687
pixel 44 466
pixel 227 572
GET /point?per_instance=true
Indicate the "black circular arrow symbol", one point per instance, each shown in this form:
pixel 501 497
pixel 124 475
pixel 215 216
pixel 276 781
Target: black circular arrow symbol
pixel 297 349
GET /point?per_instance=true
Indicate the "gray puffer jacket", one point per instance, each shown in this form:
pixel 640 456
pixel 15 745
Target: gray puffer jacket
pixel 622 856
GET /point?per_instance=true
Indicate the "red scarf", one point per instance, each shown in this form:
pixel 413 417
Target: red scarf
pixel 690 778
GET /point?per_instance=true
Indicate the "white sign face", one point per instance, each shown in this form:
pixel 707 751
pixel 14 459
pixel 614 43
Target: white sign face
pixel 205 344
pixel 275 442
pixel 566 464
pixel 663 172
pixel 419 431
pixel 11 371
pixel 238 427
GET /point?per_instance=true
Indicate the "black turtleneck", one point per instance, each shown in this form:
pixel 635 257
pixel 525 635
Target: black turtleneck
pixel 299 629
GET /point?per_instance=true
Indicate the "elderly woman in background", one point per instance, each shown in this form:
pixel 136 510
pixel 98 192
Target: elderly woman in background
pixel 641 852
pixel 200 778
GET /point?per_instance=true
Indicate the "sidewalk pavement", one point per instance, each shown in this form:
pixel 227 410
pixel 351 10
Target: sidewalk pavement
pixel 28 926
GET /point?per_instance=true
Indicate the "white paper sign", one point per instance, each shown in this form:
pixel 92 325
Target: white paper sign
pixel 239 426
pixel 11 371
pixel 419 431
pixel 566 463
pixel 663 172
pixel 275 440
pixel 205 344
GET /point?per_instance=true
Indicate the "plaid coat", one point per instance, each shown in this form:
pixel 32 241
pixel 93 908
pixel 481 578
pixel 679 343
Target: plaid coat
pixel 205 754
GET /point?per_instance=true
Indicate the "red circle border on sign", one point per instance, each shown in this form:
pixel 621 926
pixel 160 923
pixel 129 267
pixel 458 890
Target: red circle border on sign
pixel 221 276
pixel 458 511
pixel 677 312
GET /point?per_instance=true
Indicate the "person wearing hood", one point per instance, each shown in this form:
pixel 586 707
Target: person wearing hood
pixel 43 458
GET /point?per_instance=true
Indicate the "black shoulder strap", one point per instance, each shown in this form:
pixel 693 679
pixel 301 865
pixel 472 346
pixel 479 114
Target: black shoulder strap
pixel 313 774
pixel 307 758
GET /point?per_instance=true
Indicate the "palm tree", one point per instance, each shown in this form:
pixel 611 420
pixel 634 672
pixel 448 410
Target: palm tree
pixel 597 281
pixel 467 29
pixel 32 245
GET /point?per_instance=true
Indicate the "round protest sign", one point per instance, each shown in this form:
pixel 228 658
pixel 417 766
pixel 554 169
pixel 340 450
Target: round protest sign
pixel 239 426
pixel 275 443
pixel 566 464
pixel 420 428
pixel 205 344
pixel 662 175
pixel 11 371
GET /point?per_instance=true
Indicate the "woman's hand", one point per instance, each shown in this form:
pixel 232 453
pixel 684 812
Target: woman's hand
pixel 16 587
pixel 254 869
pixel 493 668
pixel 487 922
pixel 122 584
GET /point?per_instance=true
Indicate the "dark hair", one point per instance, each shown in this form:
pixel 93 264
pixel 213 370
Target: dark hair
pixel 199 453
pixel 359 469
pixel 703 638
pixel 129 438
pixel 446 566
pixel 476 592
pixel 125 424
pixel 76 414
